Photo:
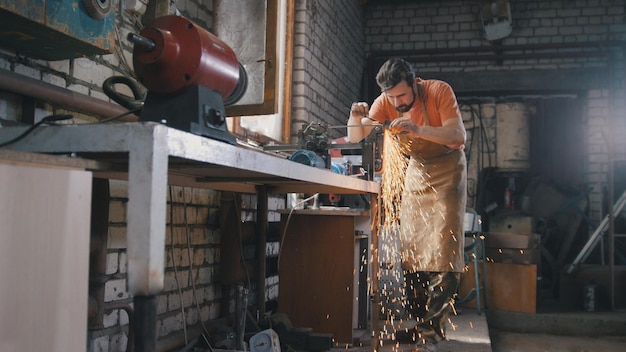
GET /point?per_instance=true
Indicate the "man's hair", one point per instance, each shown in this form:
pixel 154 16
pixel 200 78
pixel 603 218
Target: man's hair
pixel 394 71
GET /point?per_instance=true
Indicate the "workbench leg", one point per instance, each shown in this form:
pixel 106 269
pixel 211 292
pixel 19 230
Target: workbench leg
pixel 375 213
pixel 145 323
pixel 147 204
pixel 262 223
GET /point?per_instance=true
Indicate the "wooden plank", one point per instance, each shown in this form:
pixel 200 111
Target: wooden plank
pixel 26 158
pixel 155 9
pixel 466 83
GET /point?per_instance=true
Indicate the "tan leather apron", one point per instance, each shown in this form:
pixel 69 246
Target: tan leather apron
pixel 433 206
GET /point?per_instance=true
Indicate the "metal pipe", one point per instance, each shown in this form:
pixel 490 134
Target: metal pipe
pixel 19 84
pixel 98 250
pixel 374 266
pixel 611 181
pixel 241 307
pixel 130 347
pixel 143 43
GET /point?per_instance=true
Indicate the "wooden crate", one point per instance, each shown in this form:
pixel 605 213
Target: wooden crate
pixel 510 287
pixel 518 248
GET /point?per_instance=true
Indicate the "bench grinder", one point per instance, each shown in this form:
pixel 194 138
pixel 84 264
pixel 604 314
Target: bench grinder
pixel 190 75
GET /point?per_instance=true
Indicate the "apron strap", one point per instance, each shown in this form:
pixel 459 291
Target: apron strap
pixel 422 96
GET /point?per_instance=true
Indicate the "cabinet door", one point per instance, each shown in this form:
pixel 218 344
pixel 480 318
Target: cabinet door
pixel 316 273
pixel 44 258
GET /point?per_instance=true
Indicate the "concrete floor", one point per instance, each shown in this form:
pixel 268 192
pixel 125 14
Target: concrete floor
pixel 558 331
pixel 519 342
pixel 468 332
pixel 498 331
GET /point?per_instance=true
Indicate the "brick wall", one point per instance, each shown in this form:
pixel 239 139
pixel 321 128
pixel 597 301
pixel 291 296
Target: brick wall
pixel 452 24
pixel 424 28
pixel 192 258
pixel 192 290
pixel 328 61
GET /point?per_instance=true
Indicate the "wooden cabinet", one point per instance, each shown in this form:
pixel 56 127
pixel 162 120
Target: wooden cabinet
pixel 323 270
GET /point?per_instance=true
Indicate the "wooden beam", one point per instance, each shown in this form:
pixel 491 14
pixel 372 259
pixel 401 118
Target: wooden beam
pixel 156 9
pixel 520 81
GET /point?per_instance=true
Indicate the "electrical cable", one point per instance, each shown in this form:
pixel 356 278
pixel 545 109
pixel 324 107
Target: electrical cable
pixel 485 136
pixel 239 233
pixel 193 281
pixel 283 236
pixel 51 119
pixel 120 115
pixel 245 268
pixel 483 141
pixel 119 53
pixel 180 292
pixel 466 107
pixel 48 119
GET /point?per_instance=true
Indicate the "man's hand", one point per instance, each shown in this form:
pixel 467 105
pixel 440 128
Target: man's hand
pixel 359 123
pixel 404 125
pixel 359 110
pixel 451 133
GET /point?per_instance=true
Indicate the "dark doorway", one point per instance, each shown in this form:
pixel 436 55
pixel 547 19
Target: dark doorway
pixel 557 141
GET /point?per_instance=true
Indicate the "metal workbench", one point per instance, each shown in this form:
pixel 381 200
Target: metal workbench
pixel 151 156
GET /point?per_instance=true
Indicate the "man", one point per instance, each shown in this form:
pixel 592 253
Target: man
pixel 426 120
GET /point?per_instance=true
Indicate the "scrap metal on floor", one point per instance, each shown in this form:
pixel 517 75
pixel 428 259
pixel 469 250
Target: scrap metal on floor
pixel 467 332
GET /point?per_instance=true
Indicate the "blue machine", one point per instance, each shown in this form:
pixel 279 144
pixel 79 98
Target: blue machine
pixel 308 157
pixel 340 168
pixel 57 29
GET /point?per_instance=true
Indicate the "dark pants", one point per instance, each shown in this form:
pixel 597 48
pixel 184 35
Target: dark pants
pixel 429 299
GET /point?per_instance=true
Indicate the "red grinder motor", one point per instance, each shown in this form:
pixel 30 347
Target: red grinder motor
pixel 190 75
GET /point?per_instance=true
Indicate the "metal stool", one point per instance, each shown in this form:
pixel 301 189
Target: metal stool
pixel 474 248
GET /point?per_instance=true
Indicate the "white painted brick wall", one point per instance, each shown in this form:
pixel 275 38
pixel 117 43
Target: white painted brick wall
pixel 118 342
pixel 112 263
pixel 204 249
pixel 115 290
pixel 99 344
pixel 328 61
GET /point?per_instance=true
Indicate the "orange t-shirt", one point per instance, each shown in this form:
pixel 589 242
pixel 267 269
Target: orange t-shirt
pixel 440 100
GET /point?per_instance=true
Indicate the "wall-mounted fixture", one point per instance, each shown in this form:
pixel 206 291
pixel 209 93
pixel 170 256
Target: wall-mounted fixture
pixel 57 30
pixel 496 19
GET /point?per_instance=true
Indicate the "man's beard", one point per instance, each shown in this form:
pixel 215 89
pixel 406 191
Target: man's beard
pixel 404 107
